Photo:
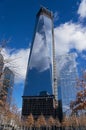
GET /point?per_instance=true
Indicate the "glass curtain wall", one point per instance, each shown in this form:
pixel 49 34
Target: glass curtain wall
pixel 39 70
pixel 67 80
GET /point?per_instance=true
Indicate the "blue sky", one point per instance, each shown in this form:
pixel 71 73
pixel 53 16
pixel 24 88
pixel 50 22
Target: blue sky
pixel 17 21
pixel 17 17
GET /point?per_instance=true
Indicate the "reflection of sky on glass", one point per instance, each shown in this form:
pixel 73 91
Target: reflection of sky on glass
pixel 39 73
pixel 67 80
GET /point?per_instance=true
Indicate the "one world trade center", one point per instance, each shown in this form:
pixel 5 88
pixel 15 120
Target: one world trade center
pixel 41 77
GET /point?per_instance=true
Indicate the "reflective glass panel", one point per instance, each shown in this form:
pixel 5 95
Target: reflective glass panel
pixel 39 71
pixel 67 80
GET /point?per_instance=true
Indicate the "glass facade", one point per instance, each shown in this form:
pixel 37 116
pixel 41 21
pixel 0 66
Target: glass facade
pixel 67 80
pixel 1 71
pixel 8 83
pixel 1 64
pixel 39 70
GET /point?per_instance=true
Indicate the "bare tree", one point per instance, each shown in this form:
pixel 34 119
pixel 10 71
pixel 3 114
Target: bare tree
pixel 80 103
pixel 51 122
pixel 66 122
pixel 30 121
pixel 57 123
pixel 7 113
pixel 82 120
pixel 41 122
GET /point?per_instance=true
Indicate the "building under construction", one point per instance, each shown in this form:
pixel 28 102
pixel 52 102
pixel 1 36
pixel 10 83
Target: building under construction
pixel 40 92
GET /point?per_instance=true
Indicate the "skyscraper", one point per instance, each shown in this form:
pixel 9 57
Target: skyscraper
pixel 1 64
pixel 67 80
pixel 41 80
pixel 1 71
pixel 8 82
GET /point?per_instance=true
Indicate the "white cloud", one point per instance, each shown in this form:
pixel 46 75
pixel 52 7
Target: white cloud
pixel 63 60
pixel 17 60
pixel 67 36
pixel 82 9
pixel 40 51
pixel 70 35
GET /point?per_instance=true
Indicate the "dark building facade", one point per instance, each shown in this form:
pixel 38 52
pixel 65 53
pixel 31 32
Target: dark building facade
pixel 39 105
pixel 40 92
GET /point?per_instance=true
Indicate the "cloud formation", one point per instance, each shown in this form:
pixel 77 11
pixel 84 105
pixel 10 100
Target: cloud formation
pixel 82 9
pixel 68 36
pixel 39 57
pixel 63 60
pixel 17 60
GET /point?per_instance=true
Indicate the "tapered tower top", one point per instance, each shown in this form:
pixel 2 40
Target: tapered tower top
pixel 45 12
